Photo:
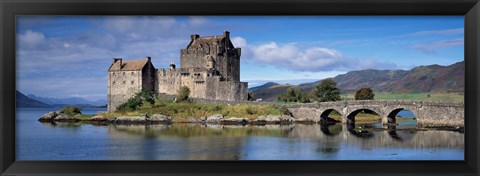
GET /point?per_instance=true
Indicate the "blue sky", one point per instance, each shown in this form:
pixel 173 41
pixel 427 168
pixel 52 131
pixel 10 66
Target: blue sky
pixel 68 56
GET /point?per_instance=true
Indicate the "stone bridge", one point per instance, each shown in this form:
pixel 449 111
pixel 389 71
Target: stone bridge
pixel 428 114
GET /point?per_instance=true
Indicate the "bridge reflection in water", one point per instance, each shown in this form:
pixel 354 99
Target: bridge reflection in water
pixel 296 141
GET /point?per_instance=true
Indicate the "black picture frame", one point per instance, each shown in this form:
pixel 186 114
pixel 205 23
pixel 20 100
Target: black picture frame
pixel 10 9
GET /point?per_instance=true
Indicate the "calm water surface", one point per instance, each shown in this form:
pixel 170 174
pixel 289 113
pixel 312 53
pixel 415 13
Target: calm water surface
pixel 67 141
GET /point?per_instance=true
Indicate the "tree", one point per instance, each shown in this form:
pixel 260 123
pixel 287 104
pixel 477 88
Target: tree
pixel 183 93
pixel 251 96
pixel 294 94
pixel 326 91
pixel 364 93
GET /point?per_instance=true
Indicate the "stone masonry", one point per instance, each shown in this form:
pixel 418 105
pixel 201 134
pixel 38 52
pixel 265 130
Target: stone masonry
pixel 210 68
pixel 428 114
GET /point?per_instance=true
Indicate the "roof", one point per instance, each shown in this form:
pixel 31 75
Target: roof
pixel 131 65
pixel 210 40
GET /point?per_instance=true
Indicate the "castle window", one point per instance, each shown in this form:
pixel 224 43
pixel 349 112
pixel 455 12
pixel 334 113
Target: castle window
pixel 132 73
pixel 132 82
pixel 113 83
pixel 123 82
pixel 113 74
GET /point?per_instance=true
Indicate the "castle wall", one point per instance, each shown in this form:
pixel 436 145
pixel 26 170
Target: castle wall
pixel 171 80
pixel 121 86
pixel 230 90
pixel 168 81
pixel 212 87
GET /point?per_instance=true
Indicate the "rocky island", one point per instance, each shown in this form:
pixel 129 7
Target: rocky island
pixel 73 114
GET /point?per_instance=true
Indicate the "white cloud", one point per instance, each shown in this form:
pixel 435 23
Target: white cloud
pixel 433 46
pixel 31 38
pixel 453 31
pixel 197 20
pixel 239 42
pixel 441 32
pixel 312 59
pixel 87 54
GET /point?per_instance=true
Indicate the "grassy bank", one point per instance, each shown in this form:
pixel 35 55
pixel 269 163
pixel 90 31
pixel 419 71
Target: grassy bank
pixel 181 111
pixel 441 97
pixel 184 110
pixel 197 110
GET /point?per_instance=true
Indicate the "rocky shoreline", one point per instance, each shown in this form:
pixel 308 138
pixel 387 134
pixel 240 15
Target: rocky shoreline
pixel 57 116
pixel 145 119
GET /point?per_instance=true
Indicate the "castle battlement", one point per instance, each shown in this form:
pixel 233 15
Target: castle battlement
pixel 210 68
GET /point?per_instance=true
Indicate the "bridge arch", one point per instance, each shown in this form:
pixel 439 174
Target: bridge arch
pixel 352 114
pixel 392 114
pixel 324 115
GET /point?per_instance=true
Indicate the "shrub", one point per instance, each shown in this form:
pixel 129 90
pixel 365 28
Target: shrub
pixel 183 93
pixel 147 96
pixel 364 93
pixel 136 101
pixel 250 110
pixel 132 104
pixel 251 96
pixel 71 110
pixel 217 108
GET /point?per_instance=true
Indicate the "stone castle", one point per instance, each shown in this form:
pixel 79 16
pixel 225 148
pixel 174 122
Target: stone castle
pixel 209 67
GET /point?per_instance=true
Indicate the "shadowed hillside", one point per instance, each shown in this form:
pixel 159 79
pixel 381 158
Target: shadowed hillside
pixel 421 79
pixel 23 101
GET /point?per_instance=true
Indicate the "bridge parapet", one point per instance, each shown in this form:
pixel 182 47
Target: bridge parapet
pixel 427 113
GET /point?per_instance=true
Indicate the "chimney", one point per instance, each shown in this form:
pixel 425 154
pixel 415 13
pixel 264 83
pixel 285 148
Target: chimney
pixel 118 60
pixel 172 65
pixel 148 58
pixel 226 34
pixel 194 36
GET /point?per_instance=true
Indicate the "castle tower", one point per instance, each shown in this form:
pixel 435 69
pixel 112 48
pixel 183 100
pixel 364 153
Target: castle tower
pixel 226 58
pixel 125 78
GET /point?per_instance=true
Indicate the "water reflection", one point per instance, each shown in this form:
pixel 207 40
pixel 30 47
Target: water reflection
pixel 296 141
pixel 331 130
pixel 390 137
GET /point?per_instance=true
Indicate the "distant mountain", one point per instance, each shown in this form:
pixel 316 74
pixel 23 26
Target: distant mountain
pixel 432 78
pixel 270 93
pixel 59 102
pixel 23 101
pixel 266 85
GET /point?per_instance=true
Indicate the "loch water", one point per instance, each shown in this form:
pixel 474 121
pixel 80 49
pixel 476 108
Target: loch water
pixel 76 141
